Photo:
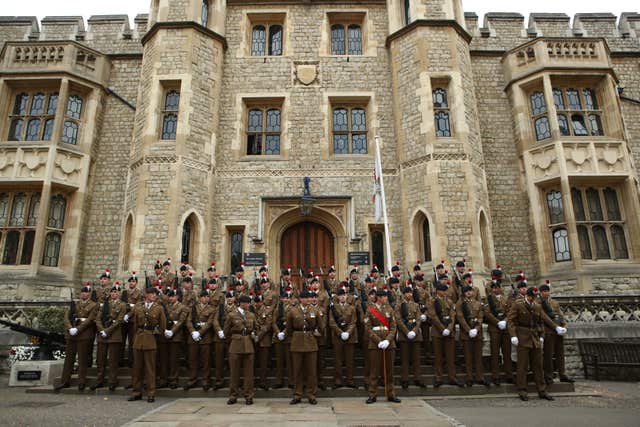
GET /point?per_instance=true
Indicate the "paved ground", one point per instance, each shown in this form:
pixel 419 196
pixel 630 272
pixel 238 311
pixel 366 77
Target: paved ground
pixel 594 405
pixel 610 404
pixel 278 412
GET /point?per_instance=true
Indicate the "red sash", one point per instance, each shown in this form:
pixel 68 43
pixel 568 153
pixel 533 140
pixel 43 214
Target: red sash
pixel 381 317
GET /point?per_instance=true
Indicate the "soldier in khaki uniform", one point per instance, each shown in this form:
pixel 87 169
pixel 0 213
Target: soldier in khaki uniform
pixel 131 296
pixel 422 296
pixel 470 315
pixel 442 313
pixel 174 334
pixel 331 282
pixel 220 341
pixel 109 323
pixel 168 276
pixel 409 338
pixel 200 327
pixel 303 325
pixel 79 327
pixel 264 320
pixel 344 333
pixel 553 351
pixel 380 326
pixel 149 320
pixel 282 340
pixel 525 323
pixel 495 313
pixel 320 300
pixel 240 326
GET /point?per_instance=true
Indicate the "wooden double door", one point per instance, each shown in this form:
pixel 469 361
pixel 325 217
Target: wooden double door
pixel 307 246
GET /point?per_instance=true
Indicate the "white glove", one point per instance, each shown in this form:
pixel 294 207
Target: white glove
pixel 168 333
pixel 560 330
pixel 446 333
pixel 382 345
pixel 423 317
pixel 255 338
pixel 281 336
pixel 473 333
pixel 103 334
pixel 502 325
pixel 195 335
pixel 344 336
pixel 541 340
pixel 221 335
pixel 126 318
pixel 73 332
pixel 411 335
pixel 514 340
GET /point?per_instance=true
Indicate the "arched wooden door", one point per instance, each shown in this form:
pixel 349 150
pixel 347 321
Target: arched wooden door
pixel 307 246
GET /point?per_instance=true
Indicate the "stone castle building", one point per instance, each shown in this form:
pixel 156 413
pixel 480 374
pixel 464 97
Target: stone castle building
pixel 190 135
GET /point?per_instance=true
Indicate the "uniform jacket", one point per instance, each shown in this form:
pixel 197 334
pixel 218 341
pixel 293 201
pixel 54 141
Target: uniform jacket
pixel 470 314
pixel 200 318
pixel 239 327
pixel 115 320
pixel 148 322
pixel 279 324
pixel 442 312
pixel 525 321
pixel 410 323
pixel 347 316
pixel 178 315
pixel 496 309
pixel 302 324
pixel 264 319
pixel 86 312
pixel 134 296
pixel 376 331
pixel 552 309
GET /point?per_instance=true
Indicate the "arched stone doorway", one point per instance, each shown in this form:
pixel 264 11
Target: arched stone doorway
pixel 307 246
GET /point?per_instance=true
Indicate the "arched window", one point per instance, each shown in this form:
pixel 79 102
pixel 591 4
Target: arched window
pixel 204 14
pixel 57 212
pixel 407 12
pixel 267 39
pixel 601 242
pixel 51 255
pixel 484 236
pixel 355 39
pixel 18 218
pixel 126 250
pixel 187 237
pixel 11 247
pixel 170 114
pixel 442 114
pixel 338 40
pixel 426 240
pixel 556 210
pixel 619 242
pixel 27 247
pixel 539 116
pixel 585 242
pixel 18 210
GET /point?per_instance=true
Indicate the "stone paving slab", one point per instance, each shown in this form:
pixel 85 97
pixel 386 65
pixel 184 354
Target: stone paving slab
pixel 337 412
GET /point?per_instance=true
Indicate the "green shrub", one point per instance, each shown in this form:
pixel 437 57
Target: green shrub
pixel 50 319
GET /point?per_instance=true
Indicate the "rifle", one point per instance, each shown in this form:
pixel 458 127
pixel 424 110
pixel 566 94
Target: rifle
pixel 280 318
pixel 73 316
pixel 94 294
pixel 203 281
pixel 338 318
pixel 194 317
pixel 404 312
pixel 221 313
pixel 147 281
pixel 467 315
pixel 106 314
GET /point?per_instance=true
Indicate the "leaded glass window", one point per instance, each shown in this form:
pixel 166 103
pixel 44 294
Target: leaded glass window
pixel 258 40
pixel 601 242
pixel 590 100
pixel 170 114
pixel 585 242
pixel 540 119
pixel 377 249
pixel 74 107
pixel 52 245
pixel 543 131
pixel 4 208
pixel 619 242
pixel 27 247
pixel 407 12
pixel 235 248
pixel 441 111
pixel 578 206
pixel 556 210
pixel 10 253
pixel 57 212
pixel 561 245
pixel 338 40
pixel 538 105
pixel 32 117
pixel 557 99
pixel 355 39
pixel 34 205
pixel 18 210
pixel 579 127
pixel 264 131
pixel 426 240
pixel 186 241
pixel 204 13
pixel 593 202
pixel 573 99
pixel 349 130
pixel 583 112
pixel 18 218
pixel 564 125
pixel 275 40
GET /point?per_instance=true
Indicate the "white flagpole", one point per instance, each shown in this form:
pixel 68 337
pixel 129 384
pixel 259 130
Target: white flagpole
pixel 387 237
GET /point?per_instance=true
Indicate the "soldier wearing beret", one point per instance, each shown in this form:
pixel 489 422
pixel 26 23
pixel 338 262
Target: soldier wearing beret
pixel 344 335
pixel 303 325
pixel 526 321
pixel 240 326
pixel 79 326
pixel 380 326
pixel 148 319
pixel 109 323
pixel 200 327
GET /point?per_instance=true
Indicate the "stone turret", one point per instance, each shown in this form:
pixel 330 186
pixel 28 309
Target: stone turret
pixel 437 129
pixel 168 195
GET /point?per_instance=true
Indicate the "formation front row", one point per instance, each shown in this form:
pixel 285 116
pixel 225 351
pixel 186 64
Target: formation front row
pixel 159 328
